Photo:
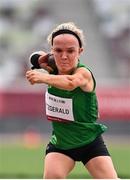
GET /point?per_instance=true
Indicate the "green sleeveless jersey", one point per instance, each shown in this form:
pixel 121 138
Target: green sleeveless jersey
pixel 74 115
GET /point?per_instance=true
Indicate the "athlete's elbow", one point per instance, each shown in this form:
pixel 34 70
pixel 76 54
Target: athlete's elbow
pixel 71 86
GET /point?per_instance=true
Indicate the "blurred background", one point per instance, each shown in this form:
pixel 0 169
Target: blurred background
pixel 24 27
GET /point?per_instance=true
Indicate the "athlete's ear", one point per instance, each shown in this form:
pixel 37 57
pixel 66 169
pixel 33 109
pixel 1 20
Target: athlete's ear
pixel 81 50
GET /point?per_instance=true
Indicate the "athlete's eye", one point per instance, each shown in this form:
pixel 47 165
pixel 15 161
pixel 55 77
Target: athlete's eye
pixel 70 51
pixel 58 50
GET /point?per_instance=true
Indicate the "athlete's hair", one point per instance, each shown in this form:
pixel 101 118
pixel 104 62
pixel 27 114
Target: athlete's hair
pixel 67 28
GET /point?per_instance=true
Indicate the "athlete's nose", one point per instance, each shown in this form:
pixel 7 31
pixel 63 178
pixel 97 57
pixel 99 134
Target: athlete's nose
pixel 64 55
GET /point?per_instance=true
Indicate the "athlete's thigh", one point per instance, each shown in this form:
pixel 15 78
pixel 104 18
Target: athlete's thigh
pixel 57 165
pixel 101 167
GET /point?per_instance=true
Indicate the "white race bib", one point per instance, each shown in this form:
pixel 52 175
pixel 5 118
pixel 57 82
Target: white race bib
pixel 58 108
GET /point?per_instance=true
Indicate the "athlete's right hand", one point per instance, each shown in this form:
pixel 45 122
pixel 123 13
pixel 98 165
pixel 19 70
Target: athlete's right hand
pixel 41 59
pixel 47 62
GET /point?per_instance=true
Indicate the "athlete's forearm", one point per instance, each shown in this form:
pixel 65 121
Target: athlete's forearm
pixel 65 82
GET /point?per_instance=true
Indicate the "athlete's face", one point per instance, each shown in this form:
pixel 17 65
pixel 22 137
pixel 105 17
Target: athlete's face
pixel 66 52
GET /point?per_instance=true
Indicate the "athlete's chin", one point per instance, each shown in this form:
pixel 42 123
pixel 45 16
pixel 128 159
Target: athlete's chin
pixel 65 71
pixel 65 66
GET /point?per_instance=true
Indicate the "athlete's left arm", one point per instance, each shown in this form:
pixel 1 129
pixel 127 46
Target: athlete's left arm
pixel 81 78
